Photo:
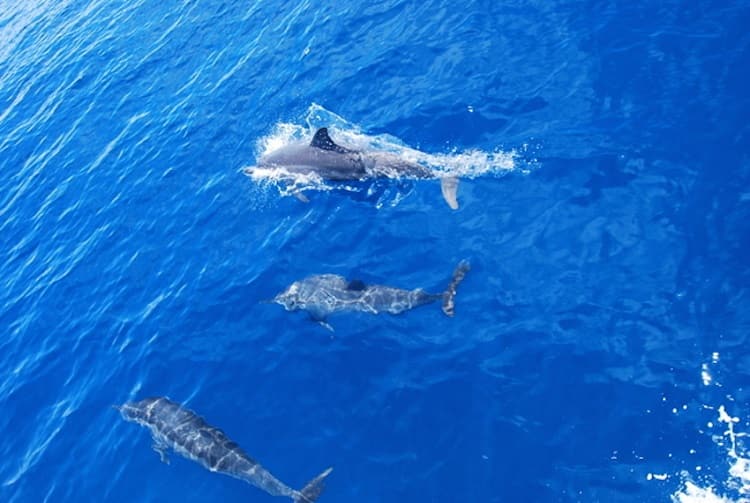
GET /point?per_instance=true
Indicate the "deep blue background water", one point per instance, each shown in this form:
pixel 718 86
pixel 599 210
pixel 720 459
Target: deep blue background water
pixel 604 322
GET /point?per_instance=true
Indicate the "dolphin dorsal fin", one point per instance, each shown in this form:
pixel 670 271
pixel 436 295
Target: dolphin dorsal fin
pixel 322 141
pixel 356 285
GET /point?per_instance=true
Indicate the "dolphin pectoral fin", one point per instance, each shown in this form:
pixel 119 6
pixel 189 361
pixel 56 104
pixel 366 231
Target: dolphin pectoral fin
pixel 161 450
pixel 326 325
pixel 320 320
pixel 449 187
pixel 300 196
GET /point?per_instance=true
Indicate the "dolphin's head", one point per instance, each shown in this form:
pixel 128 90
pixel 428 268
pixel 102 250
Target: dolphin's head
pixel 290 298
pixel 267 172
pixel 138 412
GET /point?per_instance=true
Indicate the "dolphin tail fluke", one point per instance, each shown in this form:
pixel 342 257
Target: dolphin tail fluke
pixel 311 492
pixel 449 187
pixel 449 294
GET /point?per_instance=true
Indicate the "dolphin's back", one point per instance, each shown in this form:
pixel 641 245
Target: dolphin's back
pixel 328 164
pixel 387 299
pixel 191 436
pixel 388 165
pixel 325 294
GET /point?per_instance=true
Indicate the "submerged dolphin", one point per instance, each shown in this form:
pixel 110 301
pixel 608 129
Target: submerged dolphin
pixel 189 435
pixel 324 294
pixel 333 162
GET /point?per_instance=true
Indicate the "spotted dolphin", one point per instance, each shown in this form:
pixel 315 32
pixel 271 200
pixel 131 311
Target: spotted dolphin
pixel 324 294
pixel 331 161
pixel 173 426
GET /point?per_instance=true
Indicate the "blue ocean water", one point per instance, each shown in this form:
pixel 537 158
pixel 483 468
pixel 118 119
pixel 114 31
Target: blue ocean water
pixel 599 350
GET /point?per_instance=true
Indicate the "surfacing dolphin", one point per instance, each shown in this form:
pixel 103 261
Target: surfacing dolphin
pixel 323 157
pixel 324 294
pixel 173 426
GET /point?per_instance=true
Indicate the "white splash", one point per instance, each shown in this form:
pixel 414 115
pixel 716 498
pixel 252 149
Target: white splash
pixel 740 465
pixel 705 375
pixel 694 494
pixel 657 476
pixel 737 483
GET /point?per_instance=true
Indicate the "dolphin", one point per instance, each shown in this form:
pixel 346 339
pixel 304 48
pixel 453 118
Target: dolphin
pixel 324 294
pixel 325 158
pixel 173 426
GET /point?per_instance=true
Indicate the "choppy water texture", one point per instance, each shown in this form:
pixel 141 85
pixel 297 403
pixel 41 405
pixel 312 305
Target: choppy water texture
pixel 599 350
